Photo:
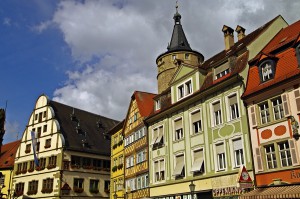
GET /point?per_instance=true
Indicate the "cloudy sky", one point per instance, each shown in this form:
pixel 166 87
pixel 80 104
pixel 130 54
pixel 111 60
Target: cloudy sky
pixel 93 54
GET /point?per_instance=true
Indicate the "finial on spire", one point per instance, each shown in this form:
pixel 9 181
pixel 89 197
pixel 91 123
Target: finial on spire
pixel 176 6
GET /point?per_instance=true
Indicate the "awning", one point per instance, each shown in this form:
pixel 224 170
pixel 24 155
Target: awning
pixel 159 137
pixel 273 192
pixel 197 164
pixel 179 166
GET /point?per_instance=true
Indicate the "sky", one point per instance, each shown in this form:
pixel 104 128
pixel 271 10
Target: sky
pixel 94 54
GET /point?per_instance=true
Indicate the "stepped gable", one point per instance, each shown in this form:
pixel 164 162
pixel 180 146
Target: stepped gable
pixel 93 128
pixel 8 153
pixel 281 49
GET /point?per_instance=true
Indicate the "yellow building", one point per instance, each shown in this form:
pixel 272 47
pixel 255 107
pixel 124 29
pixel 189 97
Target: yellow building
pixel 7 160
pixel 117 161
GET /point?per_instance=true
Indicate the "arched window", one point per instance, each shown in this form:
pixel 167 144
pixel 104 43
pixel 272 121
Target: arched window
pixel 267 70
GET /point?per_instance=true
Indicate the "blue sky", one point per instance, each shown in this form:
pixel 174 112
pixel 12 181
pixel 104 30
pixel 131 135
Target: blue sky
pixel 94 54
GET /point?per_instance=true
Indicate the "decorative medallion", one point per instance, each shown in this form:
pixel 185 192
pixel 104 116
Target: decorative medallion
pixel 266 134
pixel 280 130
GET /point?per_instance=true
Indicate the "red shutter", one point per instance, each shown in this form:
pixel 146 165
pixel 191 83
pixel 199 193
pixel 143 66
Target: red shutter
pixel 293 152
pixel 285 103
pixel 253 115
pixel 258 159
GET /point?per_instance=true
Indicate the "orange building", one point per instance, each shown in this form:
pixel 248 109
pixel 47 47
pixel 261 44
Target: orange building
pixel 272 96
pixel 136 145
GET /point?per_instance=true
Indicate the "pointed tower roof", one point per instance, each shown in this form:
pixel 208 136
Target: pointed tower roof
pixel 178 40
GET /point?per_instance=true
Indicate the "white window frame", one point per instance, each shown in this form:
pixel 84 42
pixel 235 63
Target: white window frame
pixel 222 156
pixel 235 107
pixel 160 174
pixel 272 156
pixel 236 153
pixel 268 71
pixel 215 120
pixel 184 163
pixel 199 122
pixel 185 89
pixel 277 107
pixel 193 158
pixel 178 133
pixel 286 150
pixel 264 113
pixel 157 104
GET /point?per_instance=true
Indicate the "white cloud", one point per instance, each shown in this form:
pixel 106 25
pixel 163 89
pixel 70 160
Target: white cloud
pixel 116 43
pixel 42 26
pixel 7 21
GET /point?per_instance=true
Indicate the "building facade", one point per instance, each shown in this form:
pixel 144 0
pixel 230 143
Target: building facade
pixel 136 145
pixel 273 101
pixel 64 153
pixel 117 161
pixel 198 133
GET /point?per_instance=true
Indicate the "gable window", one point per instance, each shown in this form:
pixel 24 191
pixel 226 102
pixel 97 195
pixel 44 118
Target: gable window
pixel 196 122
pixel 277 108
pixel 159 170
pixel 198 164
pixel 179 171
pixel 238 152
pixel 178 129
pixel 28 148
pixel 233 107
pixel 184 89
pixel 264 113
pixel 217 113
pixel 271 156
pixel 267 70
pixel 220 152
pixel 285 154
pixel 45 128
pixel 40 116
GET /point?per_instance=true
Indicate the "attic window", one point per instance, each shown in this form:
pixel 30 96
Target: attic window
pixel 173 57
pixel 157 104
pixel 267 70
pixel 221 71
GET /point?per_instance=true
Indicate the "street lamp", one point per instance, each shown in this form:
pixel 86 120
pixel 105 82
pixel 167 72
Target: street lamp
pixel 192 189
pixel 115 195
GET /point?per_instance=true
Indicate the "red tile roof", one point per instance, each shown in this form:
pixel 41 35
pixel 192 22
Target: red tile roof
pixel 144 102
pixel 286 65
pixel 8 153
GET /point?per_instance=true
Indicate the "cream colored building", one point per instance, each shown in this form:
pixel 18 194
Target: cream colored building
pixel 72 149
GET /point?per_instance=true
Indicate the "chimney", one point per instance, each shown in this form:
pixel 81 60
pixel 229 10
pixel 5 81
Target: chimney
pixel 228 36
pixel 240 31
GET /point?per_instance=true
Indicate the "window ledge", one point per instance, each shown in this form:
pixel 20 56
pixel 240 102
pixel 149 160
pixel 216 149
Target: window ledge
pixel 271 123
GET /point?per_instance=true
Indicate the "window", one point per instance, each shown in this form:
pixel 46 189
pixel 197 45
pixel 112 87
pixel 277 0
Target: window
pixel 32 187
pixel 106 185
pixel 48 143
pixel 52 160
pixel 19 188
pixel 238 152
pixel 129 161
pixel 130 184
pixel 233 107
pixel 221 161
pixel 94 186
pixel 28 148
pixel 141 156
pixel 78 183
pixel 178 129
pixel 24 166
pixel 264 113
pixel 35 116
pixel 47 185
pixel 159 170
pixel 186 56
pixel 267 69
pixel 38 146
pixel 157 104
pixel 198 162
pixel 40 116
pixel 285 154
pixel 196 122
pixel 184 89
pixel 19 167
pixel 179 171
pixel 75 161
pixel 142 181
pixel 135 117
pixel 217 113
pixel 277 108
pixel 157 137
pixel 45 128
pixel 44 114
pixel 106 164
pixel 298 54
pixel 271 156
pixel 173 57
pixel 39 131
pixel 222 73
pixel 42 162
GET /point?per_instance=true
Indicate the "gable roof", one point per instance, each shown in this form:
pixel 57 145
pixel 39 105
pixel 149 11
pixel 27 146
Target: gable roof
pixel 93 129
pixel 144 102
pixel 286 64
pixel 8 153
pixel 239 45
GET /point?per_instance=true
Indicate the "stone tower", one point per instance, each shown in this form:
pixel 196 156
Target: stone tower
pixel 178 51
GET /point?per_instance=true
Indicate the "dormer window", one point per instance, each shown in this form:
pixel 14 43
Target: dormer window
pixel 187 56
pixel 184 89
pixel 157 104
pixel 221 71
pixel 173 57
pixel 267 70
pixel 298 54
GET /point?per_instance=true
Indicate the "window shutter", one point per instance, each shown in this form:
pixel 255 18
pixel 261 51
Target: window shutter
pixel 293 152
pixel 178 124
pixel 297 99
pixel 253 116
pixel 285 102
pixel 195 116
pixel 258 159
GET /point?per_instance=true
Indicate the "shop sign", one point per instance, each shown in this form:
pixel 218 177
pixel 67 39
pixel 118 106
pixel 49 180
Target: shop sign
pixel 227 191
